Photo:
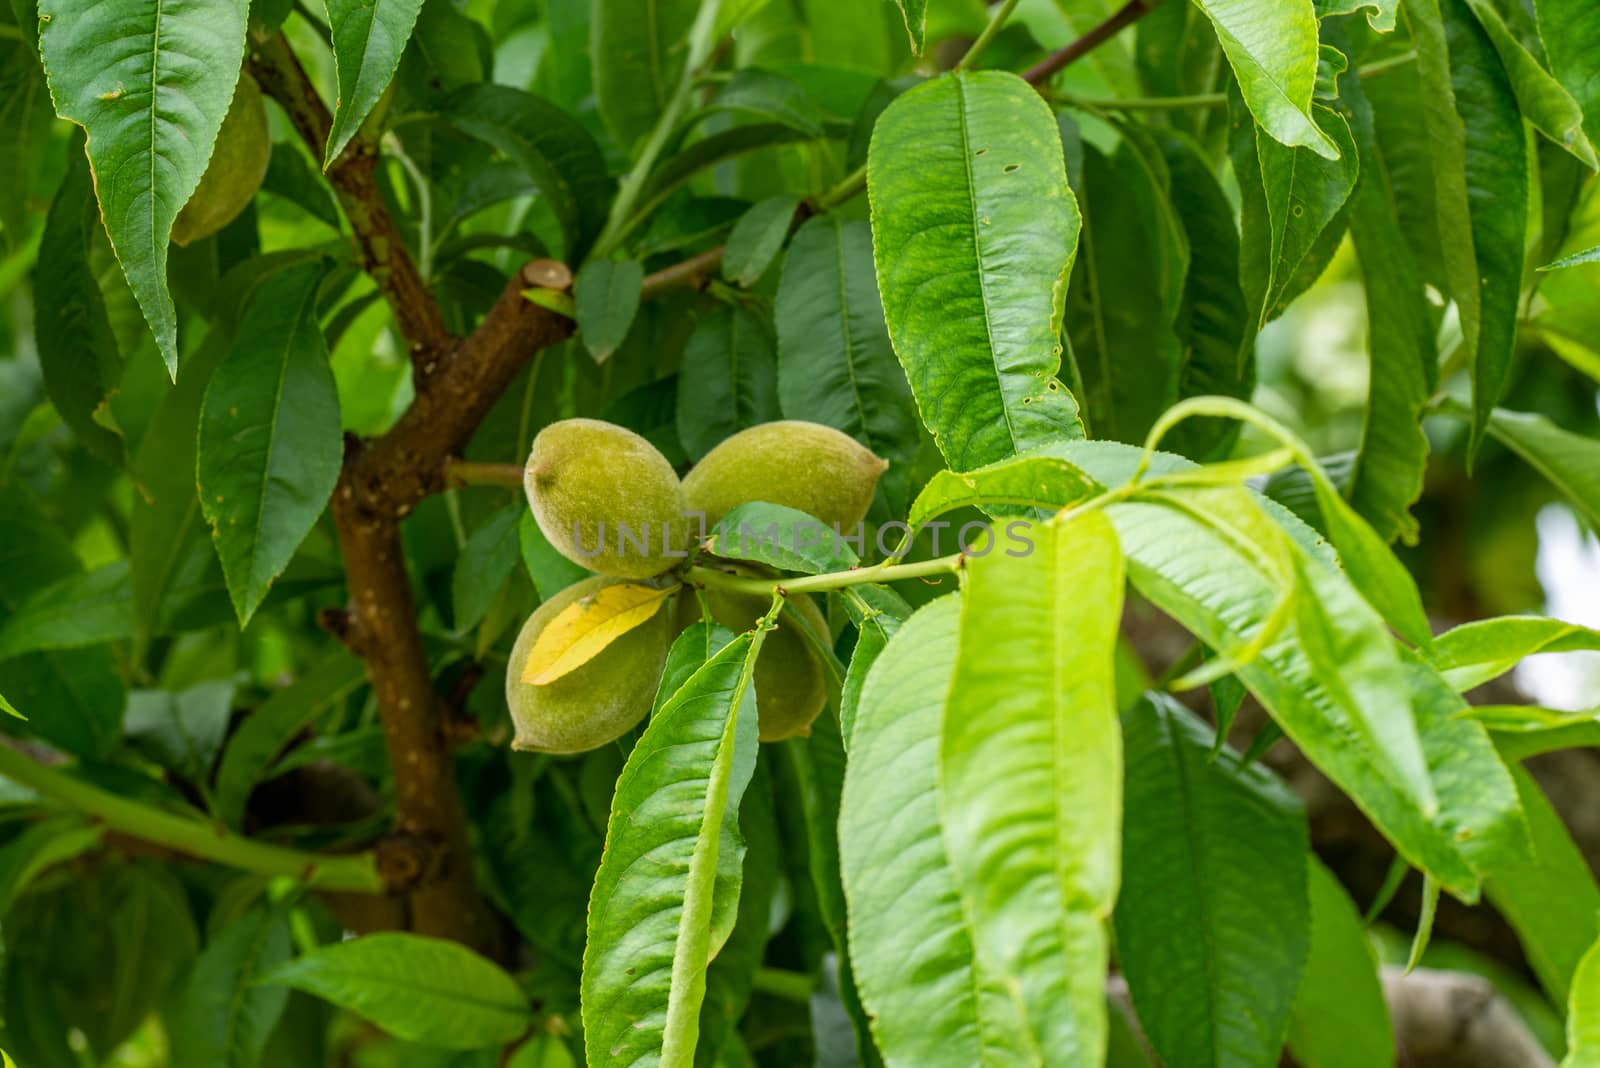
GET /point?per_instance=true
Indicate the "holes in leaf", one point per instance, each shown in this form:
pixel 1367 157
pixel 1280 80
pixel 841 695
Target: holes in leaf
pixel 981 152
pixel 1011 168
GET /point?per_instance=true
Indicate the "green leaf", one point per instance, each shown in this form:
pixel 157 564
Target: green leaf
pixel 1478 804
pixel 1380 13
pixel 272 725
pixel 1032 480
pixel 1588 255
pixel 765 96
pixel 652 910
pixel 270 445
pixel 637 49
pixel 606 293
pixel 368 39
pixel 1473 653
pixel 165 525
pixel 1127 289
pixel 1212 971
pixel 916 16
pixel 417 989
pixel 1550 899
pixel 75 696
pixel 1498 197
pixel 43 845
pixel 1434 121
pixel 81 609
pixel 835 363
pixel 1543 100
pixel 150 85
pixel 731 976
pixel 1213 325
pixel 1273 51
pixel 550 571
pixel 727 380
pixel 1031 773
pixel 78 354
pixel 1570 461
pixel 757 238
pixel 1386 478
pixel 1339 1018
pixel 9 709
pixel 1304 193
pixel 1521 731
pixel 1583 1014
pixel 785 538
pixel 956 1014
pixel 483 566
pixel 26 118
pixel 1331 678
pixel 225 1017
pixel 974 230
pixel 554 149
pixel 877 612
pixel 181 731
pixel 1570 31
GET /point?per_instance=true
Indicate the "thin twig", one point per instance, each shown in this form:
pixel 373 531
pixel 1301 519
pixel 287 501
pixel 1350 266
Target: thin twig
pixel 356 873
pixel 1125 16
pixel 693 271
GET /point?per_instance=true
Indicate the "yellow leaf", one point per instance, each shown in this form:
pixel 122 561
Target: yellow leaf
pixel 586 626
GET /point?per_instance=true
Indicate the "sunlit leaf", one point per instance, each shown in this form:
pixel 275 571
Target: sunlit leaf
pixel 1273 51
pixel 652 908
pixel 1030 777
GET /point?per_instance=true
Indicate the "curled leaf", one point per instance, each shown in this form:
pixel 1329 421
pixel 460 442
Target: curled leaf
pixel 586 626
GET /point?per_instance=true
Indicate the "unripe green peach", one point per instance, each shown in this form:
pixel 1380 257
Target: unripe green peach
pixel 597 702
pixel 606 498
pixel 791 689
pixel 238 164
pixel 807 466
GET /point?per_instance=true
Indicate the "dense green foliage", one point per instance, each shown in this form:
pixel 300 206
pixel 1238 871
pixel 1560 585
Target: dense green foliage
pixel 329 739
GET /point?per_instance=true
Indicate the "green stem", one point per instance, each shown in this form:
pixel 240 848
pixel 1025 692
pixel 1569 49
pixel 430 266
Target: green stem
pixel 354 873
pixel 623 217
pixel 779 982
pixel 836 580
pixel 1142 103
pixel 1198 100
pixel 470 473
pixel 843 190
pixel 989 33
pixel 1382 65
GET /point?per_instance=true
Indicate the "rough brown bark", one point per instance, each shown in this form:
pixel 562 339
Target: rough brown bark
pixel 381 481
pixel 379 244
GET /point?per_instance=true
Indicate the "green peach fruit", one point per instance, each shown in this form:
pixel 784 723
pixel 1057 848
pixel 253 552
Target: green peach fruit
pixel 606 498
pixel 806 466
pixel 598 701
pixel 791 689
pixel 238 164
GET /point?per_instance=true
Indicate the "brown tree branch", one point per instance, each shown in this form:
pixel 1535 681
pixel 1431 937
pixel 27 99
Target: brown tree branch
pixel 382 480
pixel 379 243
pixel 1070 53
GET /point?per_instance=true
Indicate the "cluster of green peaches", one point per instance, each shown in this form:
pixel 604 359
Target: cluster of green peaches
pixel 608 500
